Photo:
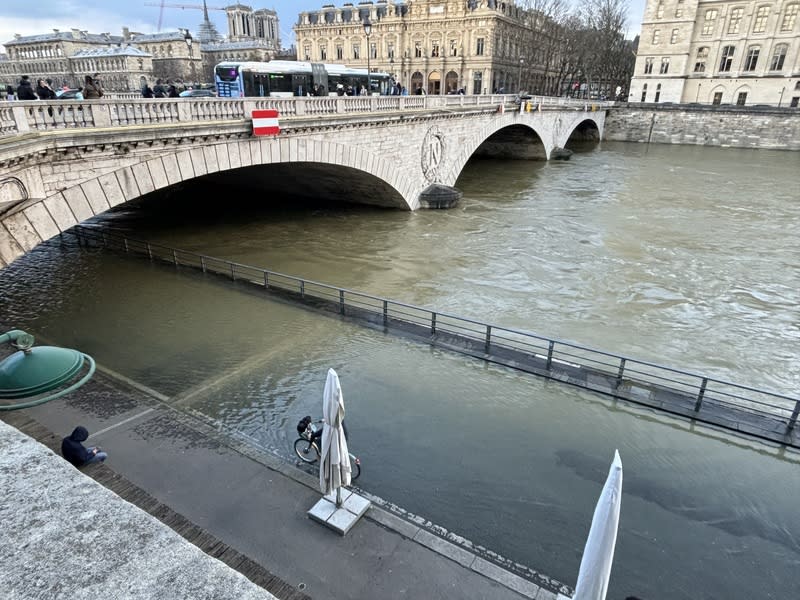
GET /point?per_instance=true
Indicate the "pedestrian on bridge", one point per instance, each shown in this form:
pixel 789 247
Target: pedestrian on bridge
pixel 91 89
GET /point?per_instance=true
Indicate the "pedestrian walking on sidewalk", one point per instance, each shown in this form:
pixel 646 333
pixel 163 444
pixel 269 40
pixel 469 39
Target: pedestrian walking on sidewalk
pixel 74 451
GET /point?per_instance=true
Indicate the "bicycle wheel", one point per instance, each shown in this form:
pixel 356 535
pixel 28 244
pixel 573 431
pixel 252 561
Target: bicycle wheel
pixel 306 450
pixel 355 467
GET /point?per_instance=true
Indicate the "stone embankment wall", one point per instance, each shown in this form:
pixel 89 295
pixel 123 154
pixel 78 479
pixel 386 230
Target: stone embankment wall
pixel 768 128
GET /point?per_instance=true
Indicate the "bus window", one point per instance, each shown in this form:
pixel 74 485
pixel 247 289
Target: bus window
pixel 280 84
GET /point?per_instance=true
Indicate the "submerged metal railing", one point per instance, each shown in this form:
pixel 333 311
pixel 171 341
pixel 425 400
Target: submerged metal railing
pixel 745 409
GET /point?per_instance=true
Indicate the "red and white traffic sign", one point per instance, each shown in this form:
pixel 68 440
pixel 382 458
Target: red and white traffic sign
pixel 265 122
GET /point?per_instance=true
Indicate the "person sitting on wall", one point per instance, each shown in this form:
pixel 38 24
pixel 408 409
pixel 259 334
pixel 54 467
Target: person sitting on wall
pixel 74 451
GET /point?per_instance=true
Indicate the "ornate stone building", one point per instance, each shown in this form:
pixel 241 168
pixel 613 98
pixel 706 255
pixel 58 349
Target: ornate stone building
pixel 50 55
pixel 170 55
pixel 440 46
pixel 177 56
pixel 719 52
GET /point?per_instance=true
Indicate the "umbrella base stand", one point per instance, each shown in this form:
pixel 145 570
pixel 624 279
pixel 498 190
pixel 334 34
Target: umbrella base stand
pixel 343 518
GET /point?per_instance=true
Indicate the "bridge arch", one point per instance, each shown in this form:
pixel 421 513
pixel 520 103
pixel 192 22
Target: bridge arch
pixel 36 221
pixel 470 146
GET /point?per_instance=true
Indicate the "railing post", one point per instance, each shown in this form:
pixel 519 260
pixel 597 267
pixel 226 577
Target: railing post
pixel 233 272
pixel 20 119
pixel 341 302
pixel 621 370
pixel 550 347
pixel 488 337
pixel 385 313
pixel 175 258
pixel 793 418
pixel 150 253
pixel 700 394
pixel 340 104
pixel 302 288
pixel 203 263
pixel 125 241
pixel 101 114
pixel 266 279
pixel 433 323
pixel 184 111
pixel 300 106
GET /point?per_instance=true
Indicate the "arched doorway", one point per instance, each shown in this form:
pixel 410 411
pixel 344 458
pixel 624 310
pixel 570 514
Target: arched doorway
pixel 416 83
pixel 451 82
pixel 434 83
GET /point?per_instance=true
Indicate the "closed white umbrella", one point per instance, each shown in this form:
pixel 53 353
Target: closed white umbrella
pixel 598 554
pixel 334 472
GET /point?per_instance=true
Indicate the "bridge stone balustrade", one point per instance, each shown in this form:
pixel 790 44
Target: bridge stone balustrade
pixel 62 163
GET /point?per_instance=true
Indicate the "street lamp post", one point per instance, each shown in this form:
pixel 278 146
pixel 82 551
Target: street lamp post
pixel 367 32
pixel 519 76
pixel 187 37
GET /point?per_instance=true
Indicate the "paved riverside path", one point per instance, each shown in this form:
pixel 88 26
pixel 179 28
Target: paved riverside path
pixel 236 502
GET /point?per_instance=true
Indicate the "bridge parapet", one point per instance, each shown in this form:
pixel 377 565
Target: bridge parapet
pixel 19 118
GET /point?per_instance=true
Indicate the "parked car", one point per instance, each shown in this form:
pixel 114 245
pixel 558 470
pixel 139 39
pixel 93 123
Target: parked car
pixel 197 94
pixel 69 94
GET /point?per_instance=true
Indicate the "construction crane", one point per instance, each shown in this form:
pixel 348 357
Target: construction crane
pixel 162 5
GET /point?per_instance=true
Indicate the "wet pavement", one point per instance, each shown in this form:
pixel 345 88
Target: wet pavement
pixel 256 504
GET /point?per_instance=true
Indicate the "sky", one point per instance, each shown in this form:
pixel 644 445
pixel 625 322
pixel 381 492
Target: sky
pixel 99 16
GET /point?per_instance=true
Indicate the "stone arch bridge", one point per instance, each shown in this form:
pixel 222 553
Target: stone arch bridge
pixel 62 163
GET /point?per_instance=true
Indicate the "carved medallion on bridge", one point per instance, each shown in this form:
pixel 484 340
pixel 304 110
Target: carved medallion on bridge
pixel 432 154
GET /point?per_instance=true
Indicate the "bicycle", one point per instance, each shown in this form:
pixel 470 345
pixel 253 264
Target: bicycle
pixel 308 450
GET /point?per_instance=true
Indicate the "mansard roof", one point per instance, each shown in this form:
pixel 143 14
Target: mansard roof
pixel 114 51
pixel 164 36
pixel 66 36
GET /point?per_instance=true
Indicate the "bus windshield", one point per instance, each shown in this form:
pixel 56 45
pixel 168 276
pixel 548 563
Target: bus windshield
pixel 227 73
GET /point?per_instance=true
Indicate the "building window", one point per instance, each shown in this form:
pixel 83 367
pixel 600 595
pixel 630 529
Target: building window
pixel 679 9
pixel 727 59
pixel 656 36
pixel 752 58
pixel 339 52
pixel 356 51
pixel 795 102
pixel 717 99
pixel 648 66
pixel 658 93
pixel 479 47
pixel 660 10
pixel 778 56
pixel 435 50
pixel 664 66
pixel 644 93
pixel 790 17
pixel 735 20
pixel 323 52
pixel 700 63
pixel 373 50
pixel 453 48
pixel 417 49
pixel 710 20
pixel 390 49
pixel 741 98
pixel 674 37
pixel 760 22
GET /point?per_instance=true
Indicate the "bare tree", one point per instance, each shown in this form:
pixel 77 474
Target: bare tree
pixel 606 59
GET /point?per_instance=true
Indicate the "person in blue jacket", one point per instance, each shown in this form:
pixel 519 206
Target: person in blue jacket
pixel 73 450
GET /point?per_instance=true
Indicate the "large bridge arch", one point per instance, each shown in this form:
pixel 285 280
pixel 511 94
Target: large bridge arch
pixel 493 126
pixel 36 221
